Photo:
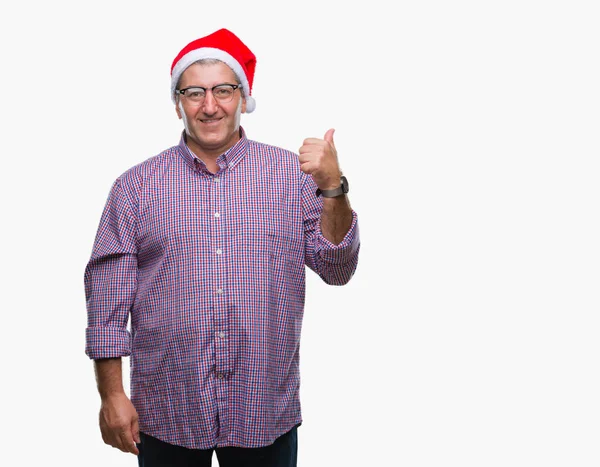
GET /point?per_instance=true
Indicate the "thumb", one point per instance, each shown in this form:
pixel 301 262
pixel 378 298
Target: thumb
pixel 135 430
pixel 329 136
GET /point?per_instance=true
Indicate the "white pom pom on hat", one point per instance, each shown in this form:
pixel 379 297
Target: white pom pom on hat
pixel 222 45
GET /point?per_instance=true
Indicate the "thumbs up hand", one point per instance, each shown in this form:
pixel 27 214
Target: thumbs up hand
pixel 318 158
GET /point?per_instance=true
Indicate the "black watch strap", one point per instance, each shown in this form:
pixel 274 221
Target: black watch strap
pixel 341 190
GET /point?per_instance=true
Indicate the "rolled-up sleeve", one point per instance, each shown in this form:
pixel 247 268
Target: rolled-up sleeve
pixel 110 279
pixel 335 264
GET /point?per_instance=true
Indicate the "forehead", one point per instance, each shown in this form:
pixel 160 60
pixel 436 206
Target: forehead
pixel 207 75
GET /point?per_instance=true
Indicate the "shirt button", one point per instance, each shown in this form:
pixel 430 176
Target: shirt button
pixel 219 291
pixel 220 376
pixel 216 179
pixel 219 251
pixel 222 335
pixel 217 214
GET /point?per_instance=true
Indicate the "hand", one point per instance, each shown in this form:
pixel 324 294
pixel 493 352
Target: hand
pixel 119 423
pixel 318 158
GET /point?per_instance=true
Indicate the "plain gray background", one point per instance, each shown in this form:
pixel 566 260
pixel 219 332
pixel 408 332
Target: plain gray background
pixel 469 133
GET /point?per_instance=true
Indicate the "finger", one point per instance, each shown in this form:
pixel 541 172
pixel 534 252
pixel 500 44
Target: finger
pixel 329 136
pixel 135 430
pixel 112 438
pixel 310 147
pixel 107 434
pixel 105 438
pixel 126 442
pixel 312 150
pixel 306 157
pixel 311 141
pixel 316 151
pixel 307 168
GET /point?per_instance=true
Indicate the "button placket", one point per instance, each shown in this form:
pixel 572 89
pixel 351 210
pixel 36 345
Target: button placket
pixel 218 271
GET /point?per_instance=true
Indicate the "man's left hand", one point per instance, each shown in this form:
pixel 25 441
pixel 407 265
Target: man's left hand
pixel 318 158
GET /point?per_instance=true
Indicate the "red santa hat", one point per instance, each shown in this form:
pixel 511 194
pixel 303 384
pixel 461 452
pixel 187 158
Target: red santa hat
pixel 222 45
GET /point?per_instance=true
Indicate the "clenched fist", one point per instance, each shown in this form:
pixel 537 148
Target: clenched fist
pixel 318 158
pixel 119 423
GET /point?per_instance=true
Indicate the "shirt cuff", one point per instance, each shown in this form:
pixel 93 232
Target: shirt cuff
pixel 345 251
pixel 107 342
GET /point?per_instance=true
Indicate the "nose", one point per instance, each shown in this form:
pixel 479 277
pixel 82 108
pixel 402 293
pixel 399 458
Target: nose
pixel 210 103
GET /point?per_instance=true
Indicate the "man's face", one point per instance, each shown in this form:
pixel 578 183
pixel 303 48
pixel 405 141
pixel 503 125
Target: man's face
pixel 212 126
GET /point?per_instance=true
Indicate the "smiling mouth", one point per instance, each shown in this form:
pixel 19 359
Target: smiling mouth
pixel 210 120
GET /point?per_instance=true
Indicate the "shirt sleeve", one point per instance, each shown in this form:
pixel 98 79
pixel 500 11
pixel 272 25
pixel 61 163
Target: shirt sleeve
pixel 110 279
pixel 335 264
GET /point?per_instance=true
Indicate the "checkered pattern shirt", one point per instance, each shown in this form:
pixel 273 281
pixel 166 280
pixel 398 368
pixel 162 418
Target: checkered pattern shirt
pixel 210 268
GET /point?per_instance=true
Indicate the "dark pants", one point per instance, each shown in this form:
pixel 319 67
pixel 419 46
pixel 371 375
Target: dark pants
pixel 282 453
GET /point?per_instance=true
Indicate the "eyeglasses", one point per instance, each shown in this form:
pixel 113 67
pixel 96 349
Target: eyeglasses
pixel 222 92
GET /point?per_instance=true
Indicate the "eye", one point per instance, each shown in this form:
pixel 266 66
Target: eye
pixel 223 92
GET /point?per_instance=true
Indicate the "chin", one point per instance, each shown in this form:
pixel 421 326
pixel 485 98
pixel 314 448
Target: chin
pixel 213 137
pixel 215 142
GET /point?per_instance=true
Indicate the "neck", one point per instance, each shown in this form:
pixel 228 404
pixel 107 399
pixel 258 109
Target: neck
pixel 209 155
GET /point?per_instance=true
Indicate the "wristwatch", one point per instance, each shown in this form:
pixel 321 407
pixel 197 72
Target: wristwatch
pixel 341 190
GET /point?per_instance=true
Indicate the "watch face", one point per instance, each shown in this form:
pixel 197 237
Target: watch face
pixel 345 186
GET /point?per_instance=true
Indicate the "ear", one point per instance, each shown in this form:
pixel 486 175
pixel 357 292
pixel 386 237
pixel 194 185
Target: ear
pixel 177 109
pixel 243 105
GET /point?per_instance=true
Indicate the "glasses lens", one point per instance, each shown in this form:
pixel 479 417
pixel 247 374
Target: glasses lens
pixel 223 92
pixel 195 94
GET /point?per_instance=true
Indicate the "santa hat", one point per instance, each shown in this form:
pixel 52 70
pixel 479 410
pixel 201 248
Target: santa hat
pixel 222 45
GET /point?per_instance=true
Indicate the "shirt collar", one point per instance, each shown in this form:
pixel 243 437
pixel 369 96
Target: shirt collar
pixel 229 159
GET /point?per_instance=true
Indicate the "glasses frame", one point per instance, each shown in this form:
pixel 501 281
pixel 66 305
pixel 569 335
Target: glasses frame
pixel 234 86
